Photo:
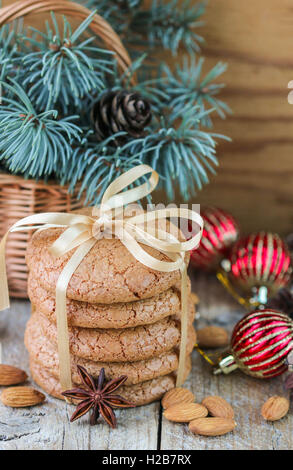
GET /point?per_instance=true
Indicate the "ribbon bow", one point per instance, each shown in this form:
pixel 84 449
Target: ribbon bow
pixel 82 232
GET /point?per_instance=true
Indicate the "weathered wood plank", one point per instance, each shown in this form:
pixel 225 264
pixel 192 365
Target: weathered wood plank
pixel 253 38
pixel 246 394
pixel 255 47
pixel 47 426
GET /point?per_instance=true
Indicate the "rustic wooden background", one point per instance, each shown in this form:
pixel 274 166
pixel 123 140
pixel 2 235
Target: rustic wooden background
pixel 256 174
pixel 255 177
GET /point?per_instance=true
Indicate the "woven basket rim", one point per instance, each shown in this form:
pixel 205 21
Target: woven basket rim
pixel 99 25
pixel 10 179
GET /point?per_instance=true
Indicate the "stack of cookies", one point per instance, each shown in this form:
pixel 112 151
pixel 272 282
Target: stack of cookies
pixel 122 316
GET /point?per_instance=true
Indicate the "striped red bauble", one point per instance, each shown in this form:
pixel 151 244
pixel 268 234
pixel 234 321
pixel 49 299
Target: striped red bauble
pixel 219 233
pixel 259 345
pixel 260 260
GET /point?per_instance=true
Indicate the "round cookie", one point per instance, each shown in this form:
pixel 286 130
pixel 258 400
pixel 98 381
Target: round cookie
pixel 139 394
pixel 129 344
pixel 45 353
pixel 108 274
pixel 117 315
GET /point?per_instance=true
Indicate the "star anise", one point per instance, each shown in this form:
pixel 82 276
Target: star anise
pixel 98 397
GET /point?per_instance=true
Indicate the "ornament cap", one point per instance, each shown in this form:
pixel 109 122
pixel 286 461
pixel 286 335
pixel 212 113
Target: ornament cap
pixel 226 364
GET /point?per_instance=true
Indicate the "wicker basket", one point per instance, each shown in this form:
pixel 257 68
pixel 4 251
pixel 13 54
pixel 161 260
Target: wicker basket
pixel 20 197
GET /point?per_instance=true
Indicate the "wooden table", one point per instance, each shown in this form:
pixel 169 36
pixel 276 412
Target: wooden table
pixel 47 426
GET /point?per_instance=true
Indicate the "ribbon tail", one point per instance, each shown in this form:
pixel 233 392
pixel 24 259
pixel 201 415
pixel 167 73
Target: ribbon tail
pixel 61 314
pixel 4 292
pixel 184 327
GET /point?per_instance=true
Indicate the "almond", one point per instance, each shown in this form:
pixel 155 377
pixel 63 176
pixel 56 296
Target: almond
pixel 218 406
pixel 275 408
pixel 176 396
pixel 185 412
pixel 212 337
pixel 10 375
pixel 212 426
pixel 18 397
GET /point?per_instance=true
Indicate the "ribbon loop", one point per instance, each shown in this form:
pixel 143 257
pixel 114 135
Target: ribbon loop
pixel 113 196
pixel 82 232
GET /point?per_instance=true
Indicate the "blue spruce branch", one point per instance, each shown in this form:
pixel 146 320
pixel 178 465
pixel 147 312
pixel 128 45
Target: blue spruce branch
pixel 169 25
pixel 183 155
pixel 118 12
pixel 68 70
pixel 9 50
pixel 181 152
pixel 97 165
pixel 33 144
pixel 185 86
pixel 61 69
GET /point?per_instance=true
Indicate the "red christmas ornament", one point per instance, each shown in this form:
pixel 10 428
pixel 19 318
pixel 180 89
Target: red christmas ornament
pixel 219 233
pixel 260 343
pixel 259 265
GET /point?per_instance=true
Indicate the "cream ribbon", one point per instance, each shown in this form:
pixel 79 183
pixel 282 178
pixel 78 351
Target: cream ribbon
pixel 82 232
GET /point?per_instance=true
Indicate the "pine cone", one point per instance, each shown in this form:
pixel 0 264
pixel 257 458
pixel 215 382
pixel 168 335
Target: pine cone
pixel 120 111
pixel 283 301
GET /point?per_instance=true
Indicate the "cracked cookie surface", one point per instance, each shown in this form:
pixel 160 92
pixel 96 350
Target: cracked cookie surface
pixel 129 344
pixel 108 273
pixel 45 353
pixel 139 394
pixel 117 315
